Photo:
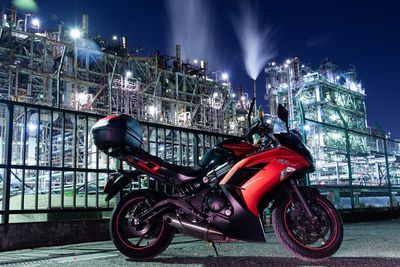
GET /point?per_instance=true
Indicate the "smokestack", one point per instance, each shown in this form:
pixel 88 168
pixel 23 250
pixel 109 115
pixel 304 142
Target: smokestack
pixel 13 15
pixel 124 45
pixel 203 67
pixel 255 96
pixel 85 26
pixel 60 32
pixel 178 58
pixel 1 13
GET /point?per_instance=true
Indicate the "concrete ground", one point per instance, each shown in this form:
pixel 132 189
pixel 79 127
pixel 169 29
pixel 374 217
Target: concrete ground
pixel 364 244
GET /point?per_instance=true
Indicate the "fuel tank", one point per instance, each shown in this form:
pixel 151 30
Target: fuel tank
pixel 225 151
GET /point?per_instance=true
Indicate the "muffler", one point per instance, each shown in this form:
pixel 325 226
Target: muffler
pixel 203 231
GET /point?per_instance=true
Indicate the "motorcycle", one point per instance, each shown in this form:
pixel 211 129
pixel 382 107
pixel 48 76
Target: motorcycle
pixel 222 199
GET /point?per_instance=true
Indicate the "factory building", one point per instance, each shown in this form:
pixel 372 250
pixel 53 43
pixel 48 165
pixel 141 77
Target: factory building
pixel 327 105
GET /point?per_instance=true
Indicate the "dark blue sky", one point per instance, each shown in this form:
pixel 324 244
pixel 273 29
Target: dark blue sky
pixel 365 34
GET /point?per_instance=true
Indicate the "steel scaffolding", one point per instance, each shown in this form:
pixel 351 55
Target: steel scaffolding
pixel 100 76
pixel 328 107
pixel 325 95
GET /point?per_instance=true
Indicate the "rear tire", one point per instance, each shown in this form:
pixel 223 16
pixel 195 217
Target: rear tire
pixel 140 240
pixel 299 235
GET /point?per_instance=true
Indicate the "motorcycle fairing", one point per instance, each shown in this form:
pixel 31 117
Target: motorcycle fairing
pixel 279 164
pixel 242 224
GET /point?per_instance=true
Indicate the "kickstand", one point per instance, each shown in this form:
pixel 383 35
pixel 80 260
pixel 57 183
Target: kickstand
pixel 215 248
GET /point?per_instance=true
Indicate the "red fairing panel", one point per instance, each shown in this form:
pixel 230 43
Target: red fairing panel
pixel 109 117
pixel 241 149
pixel 265 180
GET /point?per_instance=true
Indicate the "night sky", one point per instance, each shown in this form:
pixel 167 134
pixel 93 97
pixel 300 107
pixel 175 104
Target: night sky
pixel 365 34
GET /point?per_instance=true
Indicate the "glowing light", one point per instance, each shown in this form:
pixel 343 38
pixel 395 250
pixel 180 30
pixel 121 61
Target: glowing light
pixel 195 61
pixel 233 95
pixel 303 66
pixel 288 61
pixel 225 76
pixel 82 98
pixel 334 117
pixel 36 22
pixel 243 98
pixel 273 63
pixel 152 110
pixel 307 127
pixel 336 136
pixel 32 127
pixel 215 95
pixel 75 33
pixel 269 121
pixel 115 38
pixel 128 74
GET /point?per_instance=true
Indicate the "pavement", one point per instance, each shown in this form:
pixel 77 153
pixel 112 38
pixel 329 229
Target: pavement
pixel 364 244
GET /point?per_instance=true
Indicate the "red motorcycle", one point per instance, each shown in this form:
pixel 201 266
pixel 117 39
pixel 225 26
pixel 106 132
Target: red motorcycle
pixel 220 200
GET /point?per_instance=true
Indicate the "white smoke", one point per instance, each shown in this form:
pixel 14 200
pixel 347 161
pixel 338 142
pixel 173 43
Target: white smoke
pixel 255 41
pixel 191 26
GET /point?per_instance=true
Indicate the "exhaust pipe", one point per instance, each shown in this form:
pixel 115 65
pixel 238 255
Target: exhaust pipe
pixel 203 231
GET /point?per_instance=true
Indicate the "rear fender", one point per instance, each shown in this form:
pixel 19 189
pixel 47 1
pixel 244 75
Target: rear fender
pixel 120 182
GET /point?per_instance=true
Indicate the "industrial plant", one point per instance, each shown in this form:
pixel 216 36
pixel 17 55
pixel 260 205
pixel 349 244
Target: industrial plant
pixel 55 84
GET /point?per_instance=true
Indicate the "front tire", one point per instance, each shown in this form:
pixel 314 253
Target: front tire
pixel 306 239
pixel 135 239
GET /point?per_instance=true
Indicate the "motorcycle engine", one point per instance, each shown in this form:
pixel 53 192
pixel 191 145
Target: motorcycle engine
pixel 216 200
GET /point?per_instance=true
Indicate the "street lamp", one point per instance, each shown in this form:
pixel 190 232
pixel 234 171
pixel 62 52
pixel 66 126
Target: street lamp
pixel 225 76
pixel 115 38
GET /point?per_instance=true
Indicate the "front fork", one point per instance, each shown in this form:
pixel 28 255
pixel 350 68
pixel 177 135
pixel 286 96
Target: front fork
pixel 300 196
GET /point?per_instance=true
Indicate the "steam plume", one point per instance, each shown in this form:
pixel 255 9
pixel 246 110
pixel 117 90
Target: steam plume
pixel 255 41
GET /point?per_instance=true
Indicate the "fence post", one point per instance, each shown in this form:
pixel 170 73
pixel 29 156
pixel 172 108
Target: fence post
pixel 388 172
pixel 196 148
pixel 303 132
pixel 7 180
pixel 348 152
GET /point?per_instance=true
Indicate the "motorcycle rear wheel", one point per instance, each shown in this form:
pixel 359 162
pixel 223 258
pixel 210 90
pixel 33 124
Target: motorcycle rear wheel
pixel 139 239
pixel 306 239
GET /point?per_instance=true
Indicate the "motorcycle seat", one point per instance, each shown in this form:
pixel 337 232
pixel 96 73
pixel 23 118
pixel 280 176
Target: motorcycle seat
pixel 175 173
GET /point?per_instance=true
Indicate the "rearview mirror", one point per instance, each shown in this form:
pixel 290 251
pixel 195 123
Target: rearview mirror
pixel 283 114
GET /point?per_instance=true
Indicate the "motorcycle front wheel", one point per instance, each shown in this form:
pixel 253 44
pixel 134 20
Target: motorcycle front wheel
pixel 139 239
pixel 307 239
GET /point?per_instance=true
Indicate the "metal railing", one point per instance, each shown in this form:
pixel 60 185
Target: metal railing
pixel 355 169
pixel 50 168
pixel 49 165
